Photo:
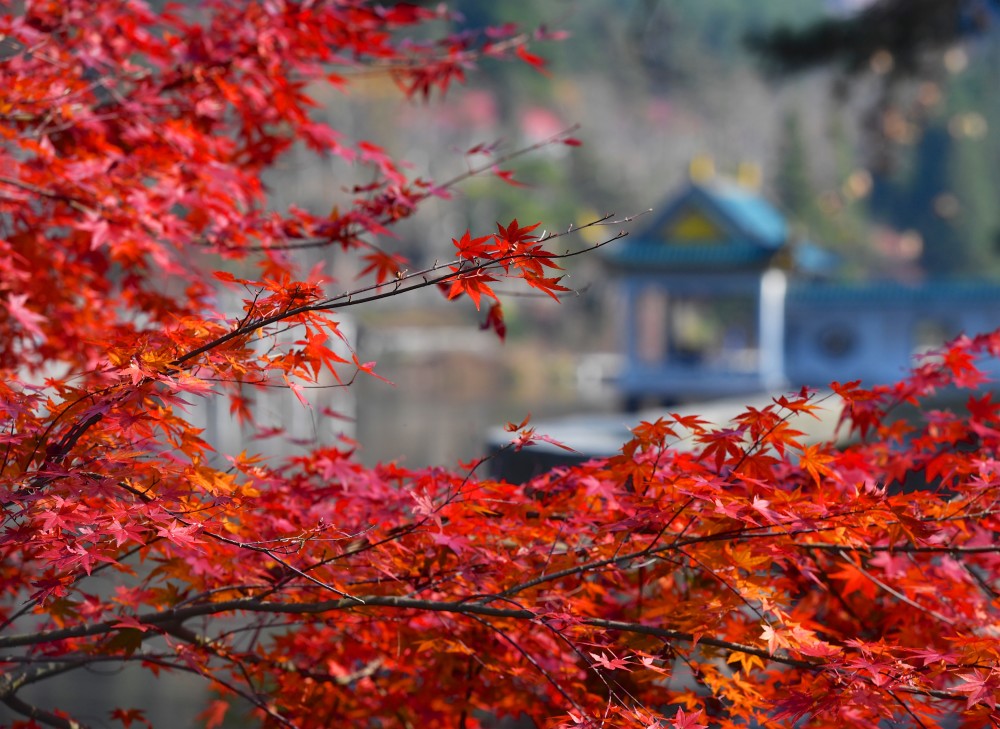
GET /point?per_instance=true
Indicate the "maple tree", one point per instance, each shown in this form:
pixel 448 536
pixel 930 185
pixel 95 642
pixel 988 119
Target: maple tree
pixel 701 577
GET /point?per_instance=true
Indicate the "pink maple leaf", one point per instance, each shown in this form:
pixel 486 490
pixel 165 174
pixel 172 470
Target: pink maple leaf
pixel 25 316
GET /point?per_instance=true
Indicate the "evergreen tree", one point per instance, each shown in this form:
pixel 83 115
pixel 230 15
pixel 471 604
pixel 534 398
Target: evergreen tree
pixel 793 182
pixel 972 176
pixel 906 29
pixel 910 198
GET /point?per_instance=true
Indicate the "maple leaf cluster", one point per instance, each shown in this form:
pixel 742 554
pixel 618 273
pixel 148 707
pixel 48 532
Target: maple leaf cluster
pixel 704 576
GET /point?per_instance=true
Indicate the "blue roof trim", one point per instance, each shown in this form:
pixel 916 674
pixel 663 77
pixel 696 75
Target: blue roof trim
pixel 891 292
pixel 646 255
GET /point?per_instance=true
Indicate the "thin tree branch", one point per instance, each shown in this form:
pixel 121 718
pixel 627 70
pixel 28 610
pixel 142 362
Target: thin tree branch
pixel 896 593
pixel 41 715
pixel 903 548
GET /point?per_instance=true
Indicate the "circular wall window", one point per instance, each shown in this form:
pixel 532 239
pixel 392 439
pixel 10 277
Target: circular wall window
pixel 837 341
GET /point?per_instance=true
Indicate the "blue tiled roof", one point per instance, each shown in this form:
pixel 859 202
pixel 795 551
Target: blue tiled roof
pixel 814 260
pixel 755 230
pixel 756 218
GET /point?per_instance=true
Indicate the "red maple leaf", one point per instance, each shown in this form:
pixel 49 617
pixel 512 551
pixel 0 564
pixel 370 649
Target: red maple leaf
pixel 475 284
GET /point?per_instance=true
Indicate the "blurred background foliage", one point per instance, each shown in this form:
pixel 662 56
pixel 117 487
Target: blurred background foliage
pixel 872 125
pixel 852 131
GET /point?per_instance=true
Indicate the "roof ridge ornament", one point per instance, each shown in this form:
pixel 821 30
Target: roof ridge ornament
pixel 701 169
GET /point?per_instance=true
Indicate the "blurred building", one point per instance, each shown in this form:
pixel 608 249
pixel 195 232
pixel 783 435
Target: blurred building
pixel 720 300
